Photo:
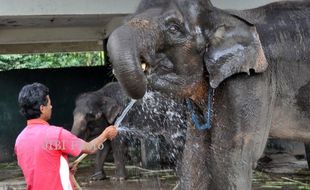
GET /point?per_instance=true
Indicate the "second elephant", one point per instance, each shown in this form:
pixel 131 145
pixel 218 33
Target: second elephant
pixel 94 111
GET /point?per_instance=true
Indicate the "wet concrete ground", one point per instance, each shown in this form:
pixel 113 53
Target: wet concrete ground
pixel 285 173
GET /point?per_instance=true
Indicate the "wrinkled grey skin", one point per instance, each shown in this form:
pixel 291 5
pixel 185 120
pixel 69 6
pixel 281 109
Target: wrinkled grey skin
pixel 257 60
pixel 94 111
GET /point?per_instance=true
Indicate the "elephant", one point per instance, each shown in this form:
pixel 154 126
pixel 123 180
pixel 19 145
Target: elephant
pixel 93 112
pixel 245 74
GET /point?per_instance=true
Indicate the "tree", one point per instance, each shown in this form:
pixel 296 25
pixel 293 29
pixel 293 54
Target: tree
pixel 50 60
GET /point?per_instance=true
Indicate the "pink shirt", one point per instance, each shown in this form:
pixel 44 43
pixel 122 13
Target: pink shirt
pixel 42 151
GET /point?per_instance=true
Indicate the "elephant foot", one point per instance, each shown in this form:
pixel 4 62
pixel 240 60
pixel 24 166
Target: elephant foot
pixel 98 176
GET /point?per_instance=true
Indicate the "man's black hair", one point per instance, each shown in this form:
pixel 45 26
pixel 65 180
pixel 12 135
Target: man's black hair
pixel 30 98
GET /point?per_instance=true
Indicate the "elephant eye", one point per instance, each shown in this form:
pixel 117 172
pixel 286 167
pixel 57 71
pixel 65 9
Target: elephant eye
pixel 83 128
pixel 173 25
pixel 174 29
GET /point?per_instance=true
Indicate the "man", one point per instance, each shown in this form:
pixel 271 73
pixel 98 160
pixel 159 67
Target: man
pixel 42 150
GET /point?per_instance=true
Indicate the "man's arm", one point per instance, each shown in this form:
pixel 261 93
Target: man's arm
pixel 92 146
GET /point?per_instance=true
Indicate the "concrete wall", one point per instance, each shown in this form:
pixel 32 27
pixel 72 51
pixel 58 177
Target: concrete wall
pixel 59 25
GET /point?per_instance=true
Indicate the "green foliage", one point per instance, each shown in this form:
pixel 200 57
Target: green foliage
pixel 50 60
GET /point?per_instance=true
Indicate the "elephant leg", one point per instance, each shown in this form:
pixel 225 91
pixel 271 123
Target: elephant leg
pixel 101 156
pixel 192 169
pixel 232 160
pixel 240 131
pixel 217 161
pixel 119 147
pixel 150 155
pixel 307 148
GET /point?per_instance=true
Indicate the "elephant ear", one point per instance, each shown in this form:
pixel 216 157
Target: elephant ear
pixel 110 109
pixel 234 48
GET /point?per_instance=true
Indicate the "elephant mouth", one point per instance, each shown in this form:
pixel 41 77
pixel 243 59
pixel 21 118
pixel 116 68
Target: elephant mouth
pixel 162 76
pixel 144 66
pixel 161 65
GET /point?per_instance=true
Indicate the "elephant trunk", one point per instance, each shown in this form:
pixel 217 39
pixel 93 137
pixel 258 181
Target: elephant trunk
pixel 125 56
pixel 79 125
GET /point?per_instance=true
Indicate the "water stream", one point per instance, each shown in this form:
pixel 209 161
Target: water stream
pixel 121 117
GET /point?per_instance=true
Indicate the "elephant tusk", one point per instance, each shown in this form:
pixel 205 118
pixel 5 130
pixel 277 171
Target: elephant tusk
pixel 143 66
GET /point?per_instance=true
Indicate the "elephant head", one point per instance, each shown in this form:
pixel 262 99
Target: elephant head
pixel 93 113
pixel 184 45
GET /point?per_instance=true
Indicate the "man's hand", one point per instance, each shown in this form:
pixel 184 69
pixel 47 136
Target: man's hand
pixel 92 146
pixel 110 132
